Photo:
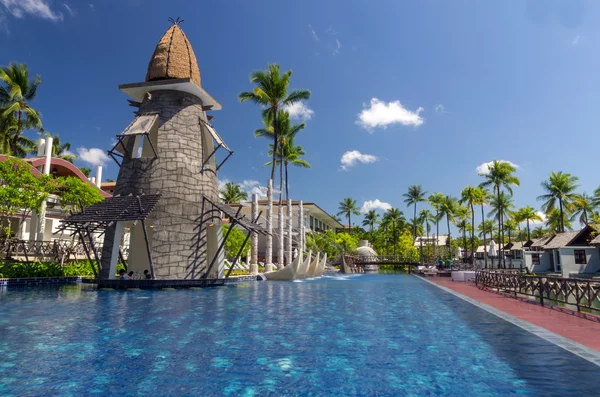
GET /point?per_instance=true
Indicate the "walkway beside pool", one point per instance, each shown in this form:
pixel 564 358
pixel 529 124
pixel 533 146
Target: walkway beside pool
pixel 558 320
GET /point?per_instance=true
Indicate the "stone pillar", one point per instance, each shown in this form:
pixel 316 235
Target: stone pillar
pixel 301 246
pixel 269 243
pixel 113 251
pixel 99 176
pixel 41 216
pixel 281 236
pixel 253 269
pixel 289 231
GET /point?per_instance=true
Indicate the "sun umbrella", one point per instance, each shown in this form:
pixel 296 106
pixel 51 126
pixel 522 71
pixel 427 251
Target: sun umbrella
pixel 492 250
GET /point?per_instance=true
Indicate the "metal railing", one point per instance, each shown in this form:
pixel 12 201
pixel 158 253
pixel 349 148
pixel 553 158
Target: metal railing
pixel 580 293
pixel 58 251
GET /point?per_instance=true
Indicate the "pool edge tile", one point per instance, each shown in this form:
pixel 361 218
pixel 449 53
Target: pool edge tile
pixel 567 344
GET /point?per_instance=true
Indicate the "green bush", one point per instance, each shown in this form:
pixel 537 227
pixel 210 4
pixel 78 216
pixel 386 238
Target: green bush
pixel 37 269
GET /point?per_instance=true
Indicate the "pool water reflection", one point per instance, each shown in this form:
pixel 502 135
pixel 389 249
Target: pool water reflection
pixel 346 335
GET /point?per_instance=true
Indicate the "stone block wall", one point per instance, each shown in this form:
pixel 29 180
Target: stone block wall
pixel 176 174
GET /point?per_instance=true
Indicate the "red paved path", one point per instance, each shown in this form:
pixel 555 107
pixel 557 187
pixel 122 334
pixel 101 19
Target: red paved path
pixel 570 326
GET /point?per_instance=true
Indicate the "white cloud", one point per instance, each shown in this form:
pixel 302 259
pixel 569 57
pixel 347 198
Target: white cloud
pixel 541 215
pixel 352 157
pixel 374 205
pixel 484 168
pixel 71 12
pixel 338 46
pixel 249 186
pixel 381 114
pixel 300 111
pixel 93 156
pixel 575 40
pixel 314 34
pixel 37 8
pixel 440 108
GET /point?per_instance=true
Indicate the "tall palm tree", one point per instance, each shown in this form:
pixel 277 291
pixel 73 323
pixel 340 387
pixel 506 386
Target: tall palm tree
pixel 539 232
pixel 8 129
pixel 500 176
pixel 395 218
pixel 471 196
pixel 271 92
pixel 17 93
pixel 486 228
pixel 287 151
pixel 61 150
pixel 560 187
pixel 232 193
pixel 435 200
pixel 448 209
pixel 528 214
pixel 415 195
pixel 461 214
pixel 481 198
pixel 348 207
pixel 370 220
pixel 584 206
pixel 425 218
pixel 501 206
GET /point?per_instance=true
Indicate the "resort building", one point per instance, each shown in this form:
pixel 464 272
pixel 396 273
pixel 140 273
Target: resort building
pixel 315 219
pixel 33 226
pixel 572 254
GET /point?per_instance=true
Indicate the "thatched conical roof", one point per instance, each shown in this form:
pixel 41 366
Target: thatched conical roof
pixel 173 58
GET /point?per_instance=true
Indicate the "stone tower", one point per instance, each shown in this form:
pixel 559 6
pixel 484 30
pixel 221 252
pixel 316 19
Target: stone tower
pixel 168 149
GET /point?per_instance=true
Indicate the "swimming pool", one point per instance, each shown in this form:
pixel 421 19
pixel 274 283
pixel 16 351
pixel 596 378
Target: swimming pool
pixel 385 335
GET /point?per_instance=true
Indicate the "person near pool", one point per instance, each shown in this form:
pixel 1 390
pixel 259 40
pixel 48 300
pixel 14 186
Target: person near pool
pixel 147 275
pixel 123 275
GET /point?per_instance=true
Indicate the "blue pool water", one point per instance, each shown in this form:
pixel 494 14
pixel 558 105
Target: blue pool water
pixel 384 335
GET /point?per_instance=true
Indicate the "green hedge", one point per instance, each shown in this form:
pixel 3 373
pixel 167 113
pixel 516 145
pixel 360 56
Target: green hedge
pixel 37 269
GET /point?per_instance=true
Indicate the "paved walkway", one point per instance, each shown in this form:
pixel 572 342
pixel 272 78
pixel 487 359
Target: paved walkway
pixel 566 324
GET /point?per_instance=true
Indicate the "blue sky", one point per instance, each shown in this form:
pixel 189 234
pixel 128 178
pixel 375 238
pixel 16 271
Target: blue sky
pixel 422 92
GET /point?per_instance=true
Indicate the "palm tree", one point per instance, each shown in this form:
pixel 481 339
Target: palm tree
pixel 500 176
pixel 528 214
pixel 472 196
pixel 501 207
pixel 348 207
pixel 559 187
pixel 448 209
pixel 271 92
pixel 415 195
pixel 395 218
pixel 8 128
pixel 584 206
pixel 85 171
pixel 557 223
pixel 481 198
pixel 370 220
pixel 425 217
pixel 539 232
pixel 232 193
pixel 61 150
pixel 435 200
pixel 461 214
pixel 17 93
pixel 287 151
pixel 486 228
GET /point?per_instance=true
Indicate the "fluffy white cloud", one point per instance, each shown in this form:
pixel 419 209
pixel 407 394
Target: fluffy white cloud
pixel 249 186
pixel 38 8
pixel 381 114
pixel 541 215
pixel 93 156
pixel 484 168
pixel 352 157
pixel 300 111
pixel 374 205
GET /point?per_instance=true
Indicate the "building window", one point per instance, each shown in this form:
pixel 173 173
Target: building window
pixel 518 254
pixel 312 223
pixel 580 258
pixel 535 259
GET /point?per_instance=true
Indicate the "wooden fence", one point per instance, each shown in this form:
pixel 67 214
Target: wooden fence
pixel 581 293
